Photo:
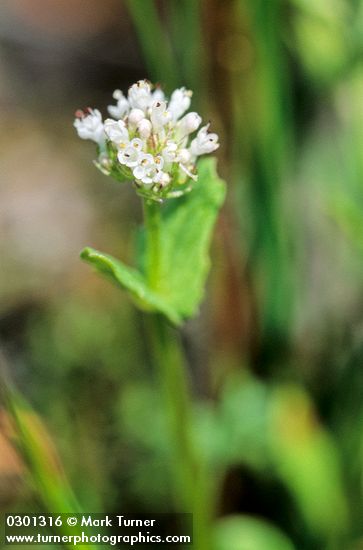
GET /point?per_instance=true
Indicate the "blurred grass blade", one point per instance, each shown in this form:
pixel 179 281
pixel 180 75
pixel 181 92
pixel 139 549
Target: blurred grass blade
pixel 41 459
pixel 263 132
pixel 154 42
pixel 187 38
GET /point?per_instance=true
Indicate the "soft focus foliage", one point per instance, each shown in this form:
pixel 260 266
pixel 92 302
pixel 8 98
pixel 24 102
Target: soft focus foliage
pixel 274 356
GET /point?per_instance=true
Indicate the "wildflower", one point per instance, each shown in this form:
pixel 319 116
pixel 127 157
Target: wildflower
pixel 170 151
pixel 89 125
pixel 204 142
pixel 179 102
pixel 158 95
pixel 159 116
pixel 140 95
pixel 122 106
pixel 131 153
pixel 145 168
pixel 134 118
pixel 149 170
pixel 116 131
pixel 149 140
pixel 188 124
pixel 162 178
pixel 144 128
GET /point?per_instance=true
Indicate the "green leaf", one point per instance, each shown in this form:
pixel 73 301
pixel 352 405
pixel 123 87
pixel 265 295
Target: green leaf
pixel 186 226
pixel 131 280
pixel 247 533
pixel 186 230
pixel 235 430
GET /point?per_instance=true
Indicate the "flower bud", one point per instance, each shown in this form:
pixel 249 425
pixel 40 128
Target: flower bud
pixel 118 111
pixel 134 118
pixel 188 124
pixel 89 125
pixel 162 178
pixel 144 128
pixel 184 156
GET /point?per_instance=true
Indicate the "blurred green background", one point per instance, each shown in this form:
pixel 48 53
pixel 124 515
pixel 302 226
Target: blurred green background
pixel 275 357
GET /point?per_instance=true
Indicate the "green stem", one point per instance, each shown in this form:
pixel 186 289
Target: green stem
pixel 188 471
pixel 264 130
pixel 176 398
pixel 153 260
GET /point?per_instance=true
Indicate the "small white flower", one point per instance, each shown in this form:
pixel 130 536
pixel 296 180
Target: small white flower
pixel 116 131
pixel 179 102
pixel 149 169
pixel 204 143
pixel 118 111
pixel 134 118
pixel 169 152
pixel 158 95
pixel 139 95
pixel 145 169
pixel 159 162
pixel 137 144
pixel 160 116
pixel 104 163
pixel 184 156
pixel 153 138
pixel 188 124
pixel 89 125
pixel 162 178
pixel 130 155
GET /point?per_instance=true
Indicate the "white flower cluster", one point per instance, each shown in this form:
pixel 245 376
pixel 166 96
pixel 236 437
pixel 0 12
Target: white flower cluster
pixel 149 139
